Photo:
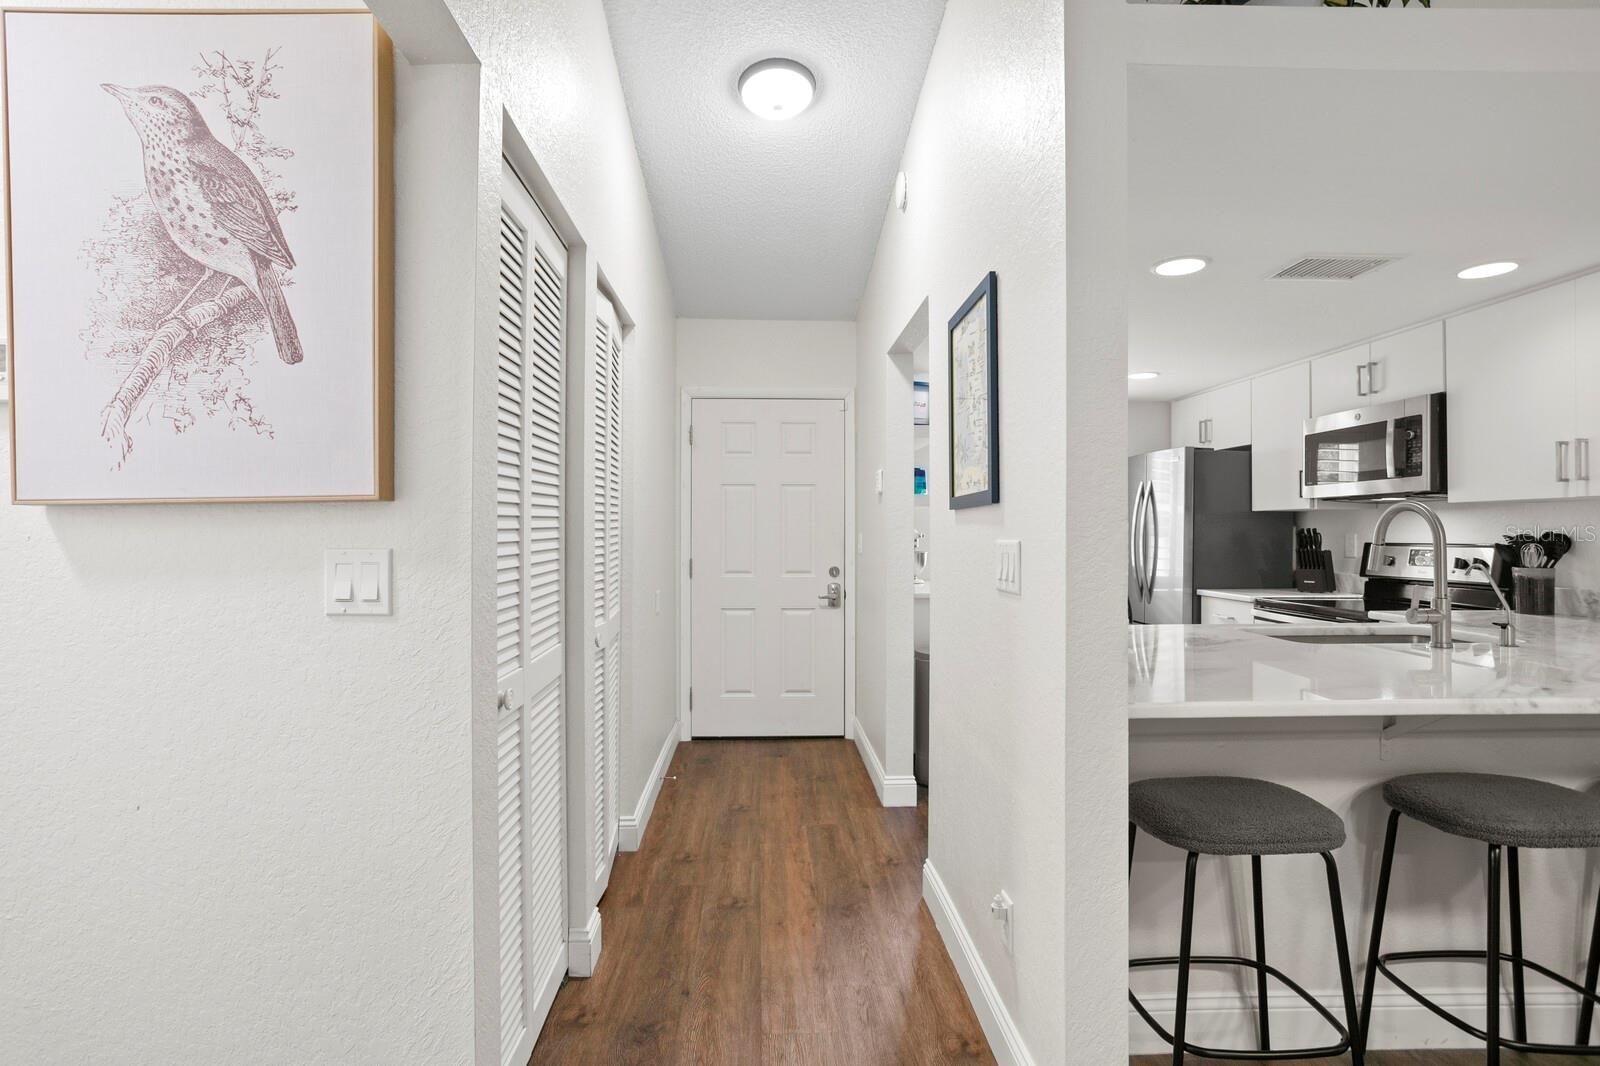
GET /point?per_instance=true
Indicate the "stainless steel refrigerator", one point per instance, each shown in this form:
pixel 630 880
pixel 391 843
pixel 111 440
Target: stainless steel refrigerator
pixel 1191 527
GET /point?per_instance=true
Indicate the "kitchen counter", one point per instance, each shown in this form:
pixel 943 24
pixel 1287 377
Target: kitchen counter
pixel 1243 671
pixel 1249 595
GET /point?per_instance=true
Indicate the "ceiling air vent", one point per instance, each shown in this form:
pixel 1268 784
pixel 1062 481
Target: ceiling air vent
pixel 1333 267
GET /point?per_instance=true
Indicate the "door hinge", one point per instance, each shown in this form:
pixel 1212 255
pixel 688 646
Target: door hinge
pixel 691 436
pixel 691 697
pixel 691 568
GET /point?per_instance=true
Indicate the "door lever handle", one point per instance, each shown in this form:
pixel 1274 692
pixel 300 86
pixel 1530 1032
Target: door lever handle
pixel 834 596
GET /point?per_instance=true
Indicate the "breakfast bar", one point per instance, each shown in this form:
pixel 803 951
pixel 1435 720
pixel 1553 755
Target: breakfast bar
pixel 1334 711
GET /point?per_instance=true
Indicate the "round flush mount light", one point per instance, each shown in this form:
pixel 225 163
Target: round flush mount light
pixel 1183 266
pixel 1487 270
pixel 1143 375
pixel 777 89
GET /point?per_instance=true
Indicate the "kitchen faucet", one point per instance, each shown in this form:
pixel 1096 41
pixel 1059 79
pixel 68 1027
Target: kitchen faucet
pixel 1508 628
pixel 1437 614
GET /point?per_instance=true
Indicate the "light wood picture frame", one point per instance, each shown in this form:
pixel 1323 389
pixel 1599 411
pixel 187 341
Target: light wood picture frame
pixel 205 314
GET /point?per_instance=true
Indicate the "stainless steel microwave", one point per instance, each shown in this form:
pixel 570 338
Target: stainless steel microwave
pixel 1391 449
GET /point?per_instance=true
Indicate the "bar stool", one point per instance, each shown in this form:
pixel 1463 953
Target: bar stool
pixel 1241 816
pixel 1506 813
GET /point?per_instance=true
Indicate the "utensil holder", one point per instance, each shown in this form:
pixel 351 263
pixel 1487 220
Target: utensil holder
pixel 1318 579
pixel 1533 589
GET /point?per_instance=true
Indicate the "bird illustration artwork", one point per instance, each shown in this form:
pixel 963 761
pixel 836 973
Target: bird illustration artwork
pixel 211 204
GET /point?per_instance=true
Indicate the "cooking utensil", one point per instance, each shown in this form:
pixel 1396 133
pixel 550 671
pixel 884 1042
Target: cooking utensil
pixel 1532 555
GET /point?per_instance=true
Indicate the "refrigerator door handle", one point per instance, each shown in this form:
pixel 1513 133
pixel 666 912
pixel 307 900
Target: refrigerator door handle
pixel 1136 541
pixel 1155 547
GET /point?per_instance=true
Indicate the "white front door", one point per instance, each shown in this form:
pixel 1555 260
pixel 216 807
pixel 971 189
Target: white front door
pixel 767 541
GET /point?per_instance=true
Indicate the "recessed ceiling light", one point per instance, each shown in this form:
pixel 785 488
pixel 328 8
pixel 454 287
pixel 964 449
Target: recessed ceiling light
pixel 1487 270
pixel 1180 267
pixel 1143 375
pixel 777 89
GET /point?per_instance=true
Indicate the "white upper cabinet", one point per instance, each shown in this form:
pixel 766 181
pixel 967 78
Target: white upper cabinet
pixel 1586 394
pixel 1395 368
pixel 1338 381
pixel 1514 398
pixel 1408 364
pixel 1216 419
pixel 1280 402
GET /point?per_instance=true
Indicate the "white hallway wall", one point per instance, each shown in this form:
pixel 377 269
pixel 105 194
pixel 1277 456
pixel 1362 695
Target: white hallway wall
pixel 270 812
pixel 766 354
pixel 984 162
pixel 235 829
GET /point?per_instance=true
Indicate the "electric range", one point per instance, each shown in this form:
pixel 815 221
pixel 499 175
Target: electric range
pixel 1393 575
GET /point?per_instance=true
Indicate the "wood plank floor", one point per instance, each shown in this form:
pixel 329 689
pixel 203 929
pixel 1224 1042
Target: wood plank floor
pixel 774 917
pixel 1410 1058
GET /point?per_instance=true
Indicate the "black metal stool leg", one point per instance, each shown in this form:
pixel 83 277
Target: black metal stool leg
pixel 1491 1021
pixel 1519 998
pixel 1591 980
pixel 1342 946
pixel 1265 1032
pixel 1181 1021
pixel 1377 929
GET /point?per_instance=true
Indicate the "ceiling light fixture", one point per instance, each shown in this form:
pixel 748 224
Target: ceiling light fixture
pixel 1487 270
pixel 1143 375
pixel 777 89
pixel 1180 267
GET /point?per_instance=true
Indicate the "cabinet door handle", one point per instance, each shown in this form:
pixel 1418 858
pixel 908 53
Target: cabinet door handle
pixel 1372 378
pixel 1361 389
pixel 1583 458
pixel 1561 461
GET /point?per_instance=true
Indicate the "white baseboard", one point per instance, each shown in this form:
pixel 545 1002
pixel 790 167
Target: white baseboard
pixel 1228 1019
pixel 1005 1041
pixel 631 827
pixel 894 790
pixel 583 947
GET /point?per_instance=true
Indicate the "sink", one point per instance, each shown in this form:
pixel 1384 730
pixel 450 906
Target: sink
pixel 1414 639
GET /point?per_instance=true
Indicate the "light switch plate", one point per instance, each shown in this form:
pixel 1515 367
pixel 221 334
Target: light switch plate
pixel 357 581
pixel 1352 545
pixel 1008 566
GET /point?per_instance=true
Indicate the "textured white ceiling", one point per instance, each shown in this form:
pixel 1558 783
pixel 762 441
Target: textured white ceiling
pixel 770 219
pixel 1257 167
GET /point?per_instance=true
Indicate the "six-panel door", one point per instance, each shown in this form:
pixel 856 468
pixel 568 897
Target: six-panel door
pixel 767 593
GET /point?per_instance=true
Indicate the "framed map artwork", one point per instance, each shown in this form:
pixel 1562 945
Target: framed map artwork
pixel 975 399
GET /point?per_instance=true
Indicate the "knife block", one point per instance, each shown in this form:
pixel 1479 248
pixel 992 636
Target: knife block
pixel 1320 579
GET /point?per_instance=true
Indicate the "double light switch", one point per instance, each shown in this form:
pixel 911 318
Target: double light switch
pixel 357 580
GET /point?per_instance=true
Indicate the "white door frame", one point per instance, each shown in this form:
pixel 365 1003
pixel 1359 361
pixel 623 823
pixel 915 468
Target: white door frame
pixel 691 393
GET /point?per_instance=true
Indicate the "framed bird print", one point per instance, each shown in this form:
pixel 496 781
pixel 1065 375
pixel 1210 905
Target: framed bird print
pixel 199 256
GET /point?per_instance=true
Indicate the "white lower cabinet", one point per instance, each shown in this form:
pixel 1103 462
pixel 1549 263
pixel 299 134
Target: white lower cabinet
pixel 1218 610
pixel 1514 398
pixel 1280 403
pixel 1216 419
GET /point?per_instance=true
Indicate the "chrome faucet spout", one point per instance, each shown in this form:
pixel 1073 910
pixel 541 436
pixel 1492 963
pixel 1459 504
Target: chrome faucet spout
pixel 1437 614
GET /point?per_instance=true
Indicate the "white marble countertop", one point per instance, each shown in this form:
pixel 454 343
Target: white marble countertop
pixel 1243 671
pixel 1247 595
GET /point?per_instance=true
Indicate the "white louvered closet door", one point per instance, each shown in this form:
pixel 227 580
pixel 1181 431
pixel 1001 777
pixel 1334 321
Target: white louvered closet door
pixel 529 645
pixel 603 508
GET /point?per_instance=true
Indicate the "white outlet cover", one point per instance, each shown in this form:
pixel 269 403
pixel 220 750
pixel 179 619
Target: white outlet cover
pixel 1352 545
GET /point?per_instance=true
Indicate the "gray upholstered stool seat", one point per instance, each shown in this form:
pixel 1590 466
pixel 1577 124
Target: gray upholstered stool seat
pixel 1233 816
pixel 1514 812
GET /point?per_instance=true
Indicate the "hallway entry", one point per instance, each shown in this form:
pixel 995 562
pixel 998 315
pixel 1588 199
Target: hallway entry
pixel 767 568
pixel 773 917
